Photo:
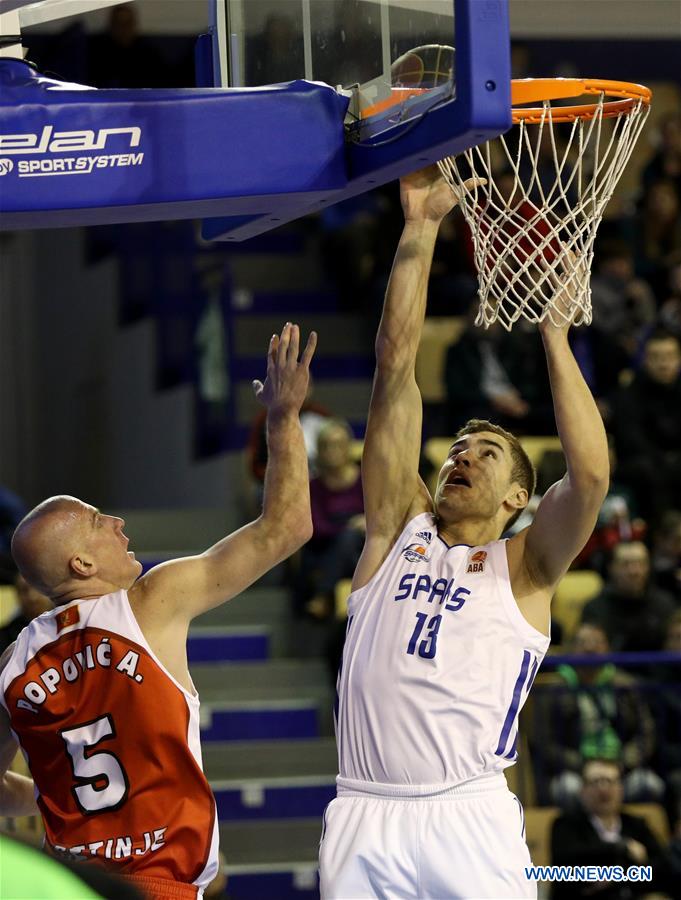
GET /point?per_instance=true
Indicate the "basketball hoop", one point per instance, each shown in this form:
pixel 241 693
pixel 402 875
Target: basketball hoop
pixel 534 222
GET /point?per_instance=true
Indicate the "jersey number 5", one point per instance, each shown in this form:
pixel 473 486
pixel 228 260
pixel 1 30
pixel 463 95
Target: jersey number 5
pixel 428 646
pixel 101 782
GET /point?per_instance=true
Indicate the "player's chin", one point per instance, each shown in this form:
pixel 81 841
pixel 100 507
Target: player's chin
pixel 448 500
pixel 134 570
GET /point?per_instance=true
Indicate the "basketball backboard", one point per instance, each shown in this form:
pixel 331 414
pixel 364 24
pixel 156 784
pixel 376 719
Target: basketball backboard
pixel 453 90
pixel 356 45
pixel 300 104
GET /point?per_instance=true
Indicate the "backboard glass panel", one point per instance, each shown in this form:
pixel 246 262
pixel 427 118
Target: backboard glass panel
pixel 344 43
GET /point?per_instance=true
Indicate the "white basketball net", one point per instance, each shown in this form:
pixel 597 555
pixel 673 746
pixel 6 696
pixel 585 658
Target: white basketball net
pixel 535 221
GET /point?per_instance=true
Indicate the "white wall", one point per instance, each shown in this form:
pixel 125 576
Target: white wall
pixel 79 412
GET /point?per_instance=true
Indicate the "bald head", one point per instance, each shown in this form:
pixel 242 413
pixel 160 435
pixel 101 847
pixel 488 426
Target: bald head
pixel 45 541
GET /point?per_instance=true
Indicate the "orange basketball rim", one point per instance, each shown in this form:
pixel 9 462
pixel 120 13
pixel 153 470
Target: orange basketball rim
pixel 539 90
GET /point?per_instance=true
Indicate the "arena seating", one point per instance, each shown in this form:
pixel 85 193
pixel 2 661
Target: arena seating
pixel 574 591
pixel 438 334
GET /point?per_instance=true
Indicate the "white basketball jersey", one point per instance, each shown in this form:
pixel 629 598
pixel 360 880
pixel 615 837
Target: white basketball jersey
pixel 437 664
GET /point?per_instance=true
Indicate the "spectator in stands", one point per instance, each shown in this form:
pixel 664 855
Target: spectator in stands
pixel 666 556
pixel 491 374
pixel 453 283
pixel 669 874
pixel 667 680
pixel 646 424
pixel 601 359
pixel 31 603
pixel 12 511
pixel 312 418
pixel 623 304
pixel 666 163
pixel 337 519
pixel 601 833
pixel 657 234
pixel 670 311
pixel 121 58
pixel 630 609
pixel 617 521
pixel 594 712
pixel 672 641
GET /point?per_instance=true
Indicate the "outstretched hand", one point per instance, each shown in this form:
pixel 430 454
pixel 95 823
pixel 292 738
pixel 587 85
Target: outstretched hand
pixel 425 194
pixel 287 380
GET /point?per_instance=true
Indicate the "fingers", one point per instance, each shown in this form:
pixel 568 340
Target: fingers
pixel 309 350
pixel 470 184
pixel 284 349
pixel 284 342
pixel 294 345
pixel 289 346
pixel 272 353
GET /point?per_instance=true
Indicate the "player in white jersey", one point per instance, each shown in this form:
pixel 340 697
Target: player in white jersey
pixel 98 692
pixel 447 624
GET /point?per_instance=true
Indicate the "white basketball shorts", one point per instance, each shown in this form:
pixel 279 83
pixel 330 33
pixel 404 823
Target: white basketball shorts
pixel 411 841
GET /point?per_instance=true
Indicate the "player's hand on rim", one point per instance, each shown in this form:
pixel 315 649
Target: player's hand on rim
pixel 286 384
pixel 426 196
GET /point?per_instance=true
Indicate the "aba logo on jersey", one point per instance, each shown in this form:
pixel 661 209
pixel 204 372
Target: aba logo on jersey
pixel 415 553
pixel 425 536
pixel 477 562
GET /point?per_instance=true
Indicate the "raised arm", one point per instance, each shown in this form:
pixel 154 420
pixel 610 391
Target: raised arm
pixel 567 513
pixel 184 588
pixel 392 444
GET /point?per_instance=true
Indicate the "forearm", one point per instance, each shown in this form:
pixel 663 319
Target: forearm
pixel 404 308
pixel 17 796
pixel 580 426
pixel 286 500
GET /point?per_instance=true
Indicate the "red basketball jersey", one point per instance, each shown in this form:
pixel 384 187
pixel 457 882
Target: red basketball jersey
pixel 112 742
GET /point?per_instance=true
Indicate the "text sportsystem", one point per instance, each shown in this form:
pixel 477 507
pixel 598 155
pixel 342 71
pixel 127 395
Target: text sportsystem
pixel 69 152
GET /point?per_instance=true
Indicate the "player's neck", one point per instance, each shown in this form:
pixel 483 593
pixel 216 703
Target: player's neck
pixel 82 590
pixel 470 531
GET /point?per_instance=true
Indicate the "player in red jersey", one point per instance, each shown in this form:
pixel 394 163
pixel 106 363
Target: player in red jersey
pixel 97 692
